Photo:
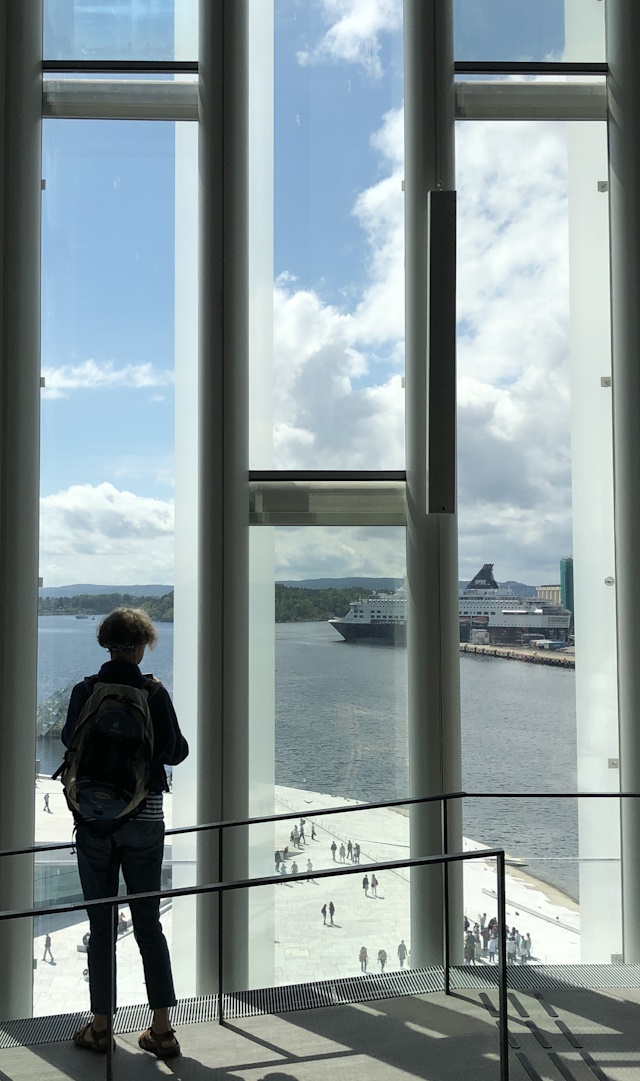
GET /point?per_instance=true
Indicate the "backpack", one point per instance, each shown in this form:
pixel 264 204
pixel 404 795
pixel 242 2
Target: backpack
pixel 106 770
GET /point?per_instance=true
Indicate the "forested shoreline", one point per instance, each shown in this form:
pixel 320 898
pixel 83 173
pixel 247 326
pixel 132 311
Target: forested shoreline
pixel 100 604
pixel 292 604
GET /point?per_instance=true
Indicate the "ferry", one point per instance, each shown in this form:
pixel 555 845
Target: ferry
pixel 488 613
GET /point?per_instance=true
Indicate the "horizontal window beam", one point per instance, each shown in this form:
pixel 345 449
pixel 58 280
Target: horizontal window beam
pixel 121 99
pixel 502 100
pixel 530 67
pixel 165 99
pixel 327 502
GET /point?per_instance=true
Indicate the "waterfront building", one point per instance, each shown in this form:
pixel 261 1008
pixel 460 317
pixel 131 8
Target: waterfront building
pixel 550 593
pixel 566 585
pixel 313 385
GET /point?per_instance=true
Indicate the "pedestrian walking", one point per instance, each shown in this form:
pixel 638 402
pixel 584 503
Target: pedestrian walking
pixel 529 946
pixel 356 853
pixel 301 831
pixel 477 945
pixel 309 867
pixel 324 913
pixel 278 860
pixel 511 950
pixel 313 832
pixel 363 957
pixel 334 849
pixel 294 868
pixel 483 920
pixel 343 853
pixel 382 959
pixel 134 845
pixel 365 885
pixel 350 850
pixel 493 948
pixel 46 804
pixel 374 885
pixel 332 909
pixel 402 953
pixel 47 949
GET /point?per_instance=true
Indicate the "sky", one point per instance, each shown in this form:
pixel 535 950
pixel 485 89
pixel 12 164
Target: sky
pixel 338 282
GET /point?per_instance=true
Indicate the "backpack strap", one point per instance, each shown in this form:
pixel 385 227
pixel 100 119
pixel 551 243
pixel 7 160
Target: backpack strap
pixel 151 685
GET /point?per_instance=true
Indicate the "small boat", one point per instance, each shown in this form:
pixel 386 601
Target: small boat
pixel 82 617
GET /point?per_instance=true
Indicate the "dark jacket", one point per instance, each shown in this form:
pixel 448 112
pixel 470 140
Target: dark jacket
pixel 169 745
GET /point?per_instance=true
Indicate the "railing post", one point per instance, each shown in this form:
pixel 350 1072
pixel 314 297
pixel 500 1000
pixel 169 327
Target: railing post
pixel 220 929
pixel 113 920
pixel 502 969
pixel 447 925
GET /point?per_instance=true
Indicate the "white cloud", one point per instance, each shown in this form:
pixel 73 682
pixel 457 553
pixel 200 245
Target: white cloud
pixel 338 396
pixel 332 552
pixel 355 28
pixel 91 375
pixel 104 535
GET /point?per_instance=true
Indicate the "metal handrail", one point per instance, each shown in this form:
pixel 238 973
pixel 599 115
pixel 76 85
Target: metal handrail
pixel 408 801
pixel 223 887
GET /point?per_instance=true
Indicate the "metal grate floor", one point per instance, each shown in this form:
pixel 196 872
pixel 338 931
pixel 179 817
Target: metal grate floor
pixel 309 996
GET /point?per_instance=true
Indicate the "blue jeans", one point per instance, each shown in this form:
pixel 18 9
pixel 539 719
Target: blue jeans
pixel 136 848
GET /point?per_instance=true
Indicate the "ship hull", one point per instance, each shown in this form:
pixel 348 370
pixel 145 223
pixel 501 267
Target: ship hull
pixel 394 634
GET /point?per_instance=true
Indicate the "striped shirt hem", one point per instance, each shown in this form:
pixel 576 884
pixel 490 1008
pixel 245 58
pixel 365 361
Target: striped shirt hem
pixel 152 810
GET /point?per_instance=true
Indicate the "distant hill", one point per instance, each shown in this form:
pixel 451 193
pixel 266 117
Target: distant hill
pixel 345 583
pixel 386 583
pixel 91 590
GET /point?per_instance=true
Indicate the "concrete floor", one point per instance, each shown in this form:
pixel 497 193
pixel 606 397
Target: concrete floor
pixel 426 1037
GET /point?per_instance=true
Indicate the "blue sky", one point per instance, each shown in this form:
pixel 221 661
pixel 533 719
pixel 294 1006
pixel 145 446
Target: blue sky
pixel 108 296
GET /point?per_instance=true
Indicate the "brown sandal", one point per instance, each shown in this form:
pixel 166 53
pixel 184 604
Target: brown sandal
pixel 153 1041
pixel 89 1040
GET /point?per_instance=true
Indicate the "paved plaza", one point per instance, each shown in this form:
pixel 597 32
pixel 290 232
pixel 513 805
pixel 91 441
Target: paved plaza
pixel 305 948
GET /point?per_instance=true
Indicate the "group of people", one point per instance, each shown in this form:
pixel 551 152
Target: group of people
pixel 351 852
pixel 331 910
pixel 482 942
pixel 363 957
pixel 373 884
pixel 297 835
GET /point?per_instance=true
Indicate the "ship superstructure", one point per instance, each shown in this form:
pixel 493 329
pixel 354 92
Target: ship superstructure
pixel 488 612
pixel 505 616
pixel 382 616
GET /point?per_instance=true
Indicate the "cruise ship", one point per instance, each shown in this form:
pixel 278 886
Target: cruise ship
pixel 488 613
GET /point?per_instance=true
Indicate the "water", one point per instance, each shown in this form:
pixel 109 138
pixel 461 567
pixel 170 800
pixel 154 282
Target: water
pixel 341 728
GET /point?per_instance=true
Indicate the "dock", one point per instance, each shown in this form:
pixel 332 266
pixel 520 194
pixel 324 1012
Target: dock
pixel 556 659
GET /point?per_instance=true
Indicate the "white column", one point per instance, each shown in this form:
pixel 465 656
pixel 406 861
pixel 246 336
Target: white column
pixel 186 585
pixel 432 553
pixel 623 46
pixel 592 508
pixel 20 113
pixel 223 614
pixel 261 675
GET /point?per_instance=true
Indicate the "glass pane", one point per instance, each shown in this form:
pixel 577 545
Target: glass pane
pixel 338 400
pixel 330 709
pixel 107 453
pixel 538 679
pixel 571 30
pixel 340 701
pixel 120 30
